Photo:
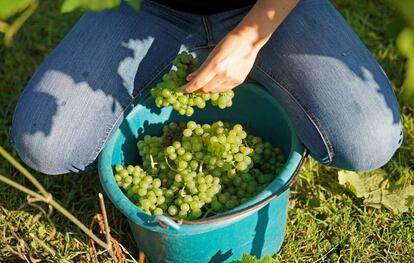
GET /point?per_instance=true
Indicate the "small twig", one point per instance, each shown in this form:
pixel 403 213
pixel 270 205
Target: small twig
pixel 23 170
pixel 46 247
pixel 21 255
pixel 3 26
pixel 32 202
pixel 49 200
pixel 126 251
pixel 20 187
pixel 91 247
pixel 107 230
pixel 79 224
pixel 207 213
pixel 18 23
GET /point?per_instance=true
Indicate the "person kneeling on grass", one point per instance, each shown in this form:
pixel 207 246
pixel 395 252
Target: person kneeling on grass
pixel 303 52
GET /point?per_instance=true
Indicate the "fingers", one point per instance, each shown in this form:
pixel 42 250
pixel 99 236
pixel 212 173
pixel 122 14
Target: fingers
pixel 223 87
pixel 199 80
pixel 218 84
pixel 191 75
pixel 213 84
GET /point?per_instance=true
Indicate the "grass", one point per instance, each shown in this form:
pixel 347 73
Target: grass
pixel 326 222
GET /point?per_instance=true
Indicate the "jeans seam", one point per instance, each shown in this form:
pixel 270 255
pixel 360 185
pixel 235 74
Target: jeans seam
pixel 125 107
pixel 207 29
pixel 309 115
pixel 201 47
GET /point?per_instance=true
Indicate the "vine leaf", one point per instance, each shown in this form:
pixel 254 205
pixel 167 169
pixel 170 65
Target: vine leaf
pixel 9 8
pixel 378 191
pixel 95 5
pixel 134 3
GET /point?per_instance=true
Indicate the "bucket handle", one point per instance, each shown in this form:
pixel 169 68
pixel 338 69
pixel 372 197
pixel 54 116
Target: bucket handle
pixel 175 223
pixel 164 222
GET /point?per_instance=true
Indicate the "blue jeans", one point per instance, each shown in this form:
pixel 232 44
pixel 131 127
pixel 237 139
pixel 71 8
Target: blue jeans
pixel 336 94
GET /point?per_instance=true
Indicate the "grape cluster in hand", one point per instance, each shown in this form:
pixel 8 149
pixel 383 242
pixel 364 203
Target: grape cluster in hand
pixel 195 170
pixel 168 92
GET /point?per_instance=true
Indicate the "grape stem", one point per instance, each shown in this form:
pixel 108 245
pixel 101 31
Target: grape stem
pixel 182 193
pixel 152 162
pixel 168 164
pixel 207 213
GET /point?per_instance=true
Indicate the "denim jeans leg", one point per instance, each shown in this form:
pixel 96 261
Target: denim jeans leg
pixel 82 91
pixel 337 95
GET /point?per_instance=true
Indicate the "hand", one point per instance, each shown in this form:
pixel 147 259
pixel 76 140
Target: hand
pixel 226 67
pixel 232 59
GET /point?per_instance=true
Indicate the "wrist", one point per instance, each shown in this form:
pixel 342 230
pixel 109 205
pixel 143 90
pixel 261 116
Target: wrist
pixel 251 35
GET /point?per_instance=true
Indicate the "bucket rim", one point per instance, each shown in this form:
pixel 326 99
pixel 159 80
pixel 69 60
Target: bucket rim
pixel 135 214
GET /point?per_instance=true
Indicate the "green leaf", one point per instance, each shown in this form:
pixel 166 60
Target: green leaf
pixel 93 5
pixel 360 184
pixel 377 191
pixel 399 200
pixel 134 3
pixel 9 8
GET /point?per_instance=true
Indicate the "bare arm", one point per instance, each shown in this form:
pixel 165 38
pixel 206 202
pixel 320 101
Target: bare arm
pixel 232 59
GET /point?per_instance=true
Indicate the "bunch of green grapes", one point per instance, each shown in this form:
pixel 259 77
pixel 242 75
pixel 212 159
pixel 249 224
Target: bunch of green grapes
pixel 167 92
pixel 195 170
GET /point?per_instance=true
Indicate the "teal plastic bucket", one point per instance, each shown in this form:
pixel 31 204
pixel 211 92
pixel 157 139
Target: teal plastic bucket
pixel 256 227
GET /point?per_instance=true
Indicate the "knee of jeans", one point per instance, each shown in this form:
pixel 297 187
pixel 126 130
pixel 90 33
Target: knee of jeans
pixel 367 146
pixel 45 154
pixel 48 151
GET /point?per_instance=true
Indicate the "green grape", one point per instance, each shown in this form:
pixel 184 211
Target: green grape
pixel 188 199
pixel 192 167
pixel 187 132
pixel 156 183
pixel 157 211
pixel 181 150
pixel 123 173
pixel 172 210
pixel 119 168
pixel 191 125
pixel 216 205
pixel 167 91
pixel 118 178
pixel 160 200
pixel 182 214
pixel 185 207
pixel 145 203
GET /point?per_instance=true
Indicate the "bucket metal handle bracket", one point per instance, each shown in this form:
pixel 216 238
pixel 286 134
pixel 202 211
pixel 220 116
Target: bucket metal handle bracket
pixel 165 222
